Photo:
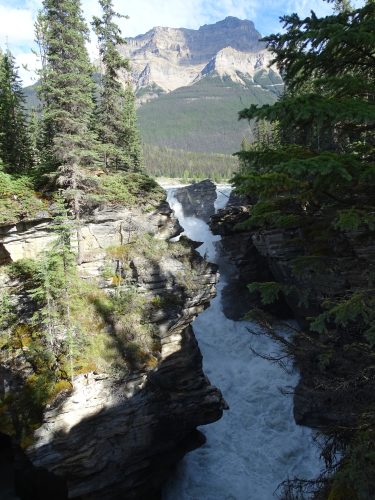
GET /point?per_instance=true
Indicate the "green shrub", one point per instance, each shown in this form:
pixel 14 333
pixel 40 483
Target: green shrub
pixel 126 188
pixel 18 200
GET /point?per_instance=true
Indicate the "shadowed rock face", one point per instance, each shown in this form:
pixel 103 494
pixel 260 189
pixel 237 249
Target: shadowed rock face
pixel 331 397
pixel 243 262
pixel 198 199
pixel 118 437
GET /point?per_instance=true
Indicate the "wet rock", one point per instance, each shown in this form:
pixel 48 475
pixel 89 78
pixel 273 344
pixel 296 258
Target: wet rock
pixel 198 199
pixel 244 263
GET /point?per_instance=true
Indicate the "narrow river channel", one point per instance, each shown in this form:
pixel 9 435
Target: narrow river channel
pixel 256 445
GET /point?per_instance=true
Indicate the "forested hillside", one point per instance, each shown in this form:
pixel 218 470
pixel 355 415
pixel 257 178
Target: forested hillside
pixel 188 165
pixel 190 85
pixel 203 116
pixel 311 181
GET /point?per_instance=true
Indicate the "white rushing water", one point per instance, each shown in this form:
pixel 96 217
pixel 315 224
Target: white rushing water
pixel 256 445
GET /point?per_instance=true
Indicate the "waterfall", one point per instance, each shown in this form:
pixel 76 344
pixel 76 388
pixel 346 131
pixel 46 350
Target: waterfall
pixel 256 445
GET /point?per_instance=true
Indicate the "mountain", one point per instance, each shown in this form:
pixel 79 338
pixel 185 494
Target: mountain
pixel 165 59
pixel 191 83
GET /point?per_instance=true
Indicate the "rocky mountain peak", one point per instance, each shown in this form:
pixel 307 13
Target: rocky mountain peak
pixel 165 59
pixel 236 65
pixel 231 23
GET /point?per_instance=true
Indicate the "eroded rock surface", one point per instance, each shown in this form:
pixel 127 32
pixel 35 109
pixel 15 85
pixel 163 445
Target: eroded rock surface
pixel 198 199
pixel 330 393
pixel 104 227
pixel 244 263
pixel 118 436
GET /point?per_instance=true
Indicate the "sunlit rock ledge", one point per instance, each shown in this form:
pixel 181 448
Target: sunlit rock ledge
pixel 119 436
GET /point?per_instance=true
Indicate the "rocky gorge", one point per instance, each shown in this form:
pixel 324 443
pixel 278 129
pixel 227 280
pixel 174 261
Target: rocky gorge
pixel 336 384
pixel 116 435
pixel 257 444
pixel 120 434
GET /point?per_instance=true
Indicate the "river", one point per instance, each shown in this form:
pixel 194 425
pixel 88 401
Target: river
pixel 256 445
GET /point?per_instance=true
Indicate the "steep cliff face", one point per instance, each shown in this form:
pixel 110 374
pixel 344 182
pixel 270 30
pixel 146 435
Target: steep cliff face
pixel 245 263
pixel 198 199
pixel 165 59
pixel 117 435
pixel 335 385
pixel 104 227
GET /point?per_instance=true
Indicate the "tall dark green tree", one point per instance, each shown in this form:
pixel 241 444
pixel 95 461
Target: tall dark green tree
pixel 66 91
pixel 326 120
pixel 35 127
pixel 15 149
pixel 318 181
pixel 130 137
pixel 116 116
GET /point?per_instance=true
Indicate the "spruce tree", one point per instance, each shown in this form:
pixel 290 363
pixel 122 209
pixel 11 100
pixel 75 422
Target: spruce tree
pixel 15 150
pixel 130 137
pixel 116 116
pixel 36 137
pixel 66 91
pixel 318 181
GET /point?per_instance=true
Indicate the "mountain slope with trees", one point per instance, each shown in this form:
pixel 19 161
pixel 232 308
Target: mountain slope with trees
pixel 190 84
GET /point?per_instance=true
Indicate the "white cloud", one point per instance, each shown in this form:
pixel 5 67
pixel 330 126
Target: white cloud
pixel 304 7
pixel 145 14
pixel 28 63
pixel 16 25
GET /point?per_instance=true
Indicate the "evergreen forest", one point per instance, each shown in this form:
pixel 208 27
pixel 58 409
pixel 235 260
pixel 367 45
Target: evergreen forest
pixel 79 151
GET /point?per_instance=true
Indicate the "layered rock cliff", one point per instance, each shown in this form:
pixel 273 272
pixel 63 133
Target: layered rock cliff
pixel 244 263
pixel 336 382
pixel 165 59
pixel 198 199
pixel 117 435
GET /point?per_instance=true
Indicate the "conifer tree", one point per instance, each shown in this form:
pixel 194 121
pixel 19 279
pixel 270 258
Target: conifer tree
pixel 15 150
pixel 36 137
pixel 319 181
pixel 116 116
pixel 66 91
pixel 131 138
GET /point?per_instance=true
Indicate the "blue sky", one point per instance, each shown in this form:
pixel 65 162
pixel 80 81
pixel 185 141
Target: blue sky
pixel 17 18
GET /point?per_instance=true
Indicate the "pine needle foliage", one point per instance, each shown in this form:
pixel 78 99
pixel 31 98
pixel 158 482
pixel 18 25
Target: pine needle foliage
pixel 115 117
pixel 66 90
pixel 15 147
pixel 323 159
pixel 317 178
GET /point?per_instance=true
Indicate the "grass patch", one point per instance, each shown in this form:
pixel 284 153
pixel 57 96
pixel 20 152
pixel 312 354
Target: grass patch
pixel 18 199
pixel 126 189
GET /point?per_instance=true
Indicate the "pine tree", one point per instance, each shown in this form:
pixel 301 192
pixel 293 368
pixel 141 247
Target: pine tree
pixel 15 150
pixel 130 137
pixel 326 118
pixel 36 137
pixel 116 116
pixel 55 278
pixel 66 91
pixel 319 181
